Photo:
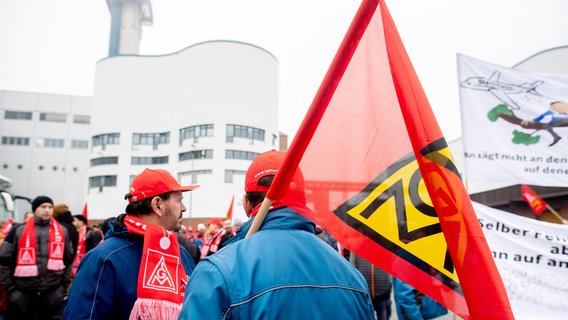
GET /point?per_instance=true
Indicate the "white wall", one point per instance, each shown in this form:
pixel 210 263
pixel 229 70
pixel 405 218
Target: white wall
pixel 217 82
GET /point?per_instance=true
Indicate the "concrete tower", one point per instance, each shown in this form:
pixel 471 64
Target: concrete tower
pixel 127 18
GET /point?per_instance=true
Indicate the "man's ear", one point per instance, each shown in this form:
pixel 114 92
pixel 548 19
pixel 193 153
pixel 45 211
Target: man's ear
pixel 156 205
pixel 247 205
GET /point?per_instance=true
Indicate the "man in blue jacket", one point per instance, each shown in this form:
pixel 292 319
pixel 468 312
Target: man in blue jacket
pixel 283 271
pixel 139 271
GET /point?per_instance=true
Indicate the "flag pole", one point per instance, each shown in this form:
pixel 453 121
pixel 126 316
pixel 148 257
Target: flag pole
pixel 556 214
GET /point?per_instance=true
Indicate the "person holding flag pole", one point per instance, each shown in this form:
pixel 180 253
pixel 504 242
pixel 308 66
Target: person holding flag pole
pixel 282 272
pixel 380 178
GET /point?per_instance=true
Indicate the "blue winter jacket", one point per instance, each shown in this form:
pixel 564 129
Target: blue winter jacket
pixel 106 281
pixel 284 271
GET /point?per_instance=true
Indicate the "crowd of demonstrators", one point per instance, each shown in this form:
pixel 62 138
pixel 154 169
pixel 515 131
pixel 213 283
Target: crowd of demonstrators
pixel 91 236
pixel 138 264
pixel 88 239
pixel 35 264
pixel 186 241
pixel 215 232
pixel 62 214
pixel 139 270
pixel 283 271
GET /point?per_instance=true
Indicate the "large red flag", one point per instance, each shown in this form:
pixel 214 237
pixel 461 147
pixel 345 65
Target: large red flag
pixel 535 202
pixel 380 178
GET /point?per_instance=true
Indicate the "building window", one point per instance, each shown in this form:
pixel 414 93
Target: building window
pixel 151 139
pixel 102 181
pixel 251 133
pixel 81 118
pixel 17 115
pixel 53 117
pixel 104 161
pixel 196 154
pixel 105 139
pixel 194 174
pixel 50 143
pixel 16 141
pixel 79 144
pixel 194 132
pixel 240 155
pixel 149 160
pixel 230 173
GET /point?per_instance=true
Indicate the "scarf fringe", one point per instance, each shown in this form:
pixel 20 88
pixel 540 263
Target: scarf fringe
pixel 26 271
pixel 55 264
pixel 149 309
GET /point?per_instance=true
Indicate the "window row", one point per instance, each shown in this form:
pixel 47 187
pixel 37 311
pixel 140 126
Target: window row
pixel 193 132
pixel 44 142
pixel 184 156
pixel 47 116
pixel 40 167
pixel 110 180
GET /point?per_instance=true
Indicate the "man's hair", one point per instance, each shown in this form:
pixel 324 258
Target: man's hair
pixel 142 207
pixel 137 208
pixel 257 197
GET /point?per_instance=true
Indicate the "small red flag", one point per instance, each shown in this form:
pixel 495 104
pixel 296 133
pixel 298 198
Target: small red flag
pixel 535 202
pixel 229 214
pixel 85 213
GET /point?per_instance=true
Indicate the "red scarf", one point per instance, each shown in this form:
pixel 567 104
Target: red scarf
pixel 80 249
pixel 212 245
pixel 161 279
pixel 26 264
pixel 7 226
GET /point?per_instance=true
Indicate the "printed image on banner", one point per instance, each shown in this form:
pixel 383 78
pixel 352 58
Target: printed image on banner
pixel 395 211
pixel 514 124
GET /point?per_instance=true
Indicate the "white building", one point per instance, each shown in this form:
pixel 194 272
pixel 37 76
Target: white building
pixel 202 113
pixel 44 146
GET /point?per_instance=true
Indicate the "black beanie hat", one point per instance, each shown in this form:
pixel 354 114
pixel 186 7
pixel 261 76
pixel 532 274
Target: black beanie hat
pixel 39 200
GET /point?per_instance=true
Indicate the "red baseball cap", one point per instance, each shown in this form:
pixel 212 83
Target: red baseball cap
pixel 265 164
pixel 216 221
pixel 153 182
pixel 190 229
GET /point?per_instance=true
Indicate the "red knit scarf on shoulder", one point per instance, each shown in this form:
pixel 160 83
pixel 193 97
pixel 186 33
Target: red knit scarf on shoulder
pixel 81 249
pixel 161 279
pixel 26 263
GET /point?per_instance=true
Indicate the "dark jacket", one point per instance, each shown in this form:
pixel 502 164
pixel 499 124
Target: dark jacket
pixel 66 220
pixel 379 281
pixel 46 279
pixel 106 282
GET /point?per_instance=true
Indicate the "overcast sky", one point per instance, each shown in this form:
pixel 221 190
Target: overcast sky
pixel 52 46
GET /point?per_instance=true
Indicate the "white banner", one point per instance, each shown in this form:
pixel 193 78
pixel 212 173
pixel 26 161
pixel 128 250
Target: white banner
pixel 514 124
pixel 532 258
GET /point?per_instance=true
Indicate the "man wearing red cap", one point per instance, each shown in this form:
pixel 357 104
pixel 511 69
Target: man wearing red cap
pixel 139 271
pixel 283 271
pixel 216 233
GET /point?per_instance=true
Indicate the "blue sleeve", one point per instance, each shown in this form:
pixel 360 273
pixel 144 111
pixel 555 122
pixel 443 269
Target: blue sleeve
pixel 92 293
pixel 539 118
pixel 405 300
pixel 206 296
